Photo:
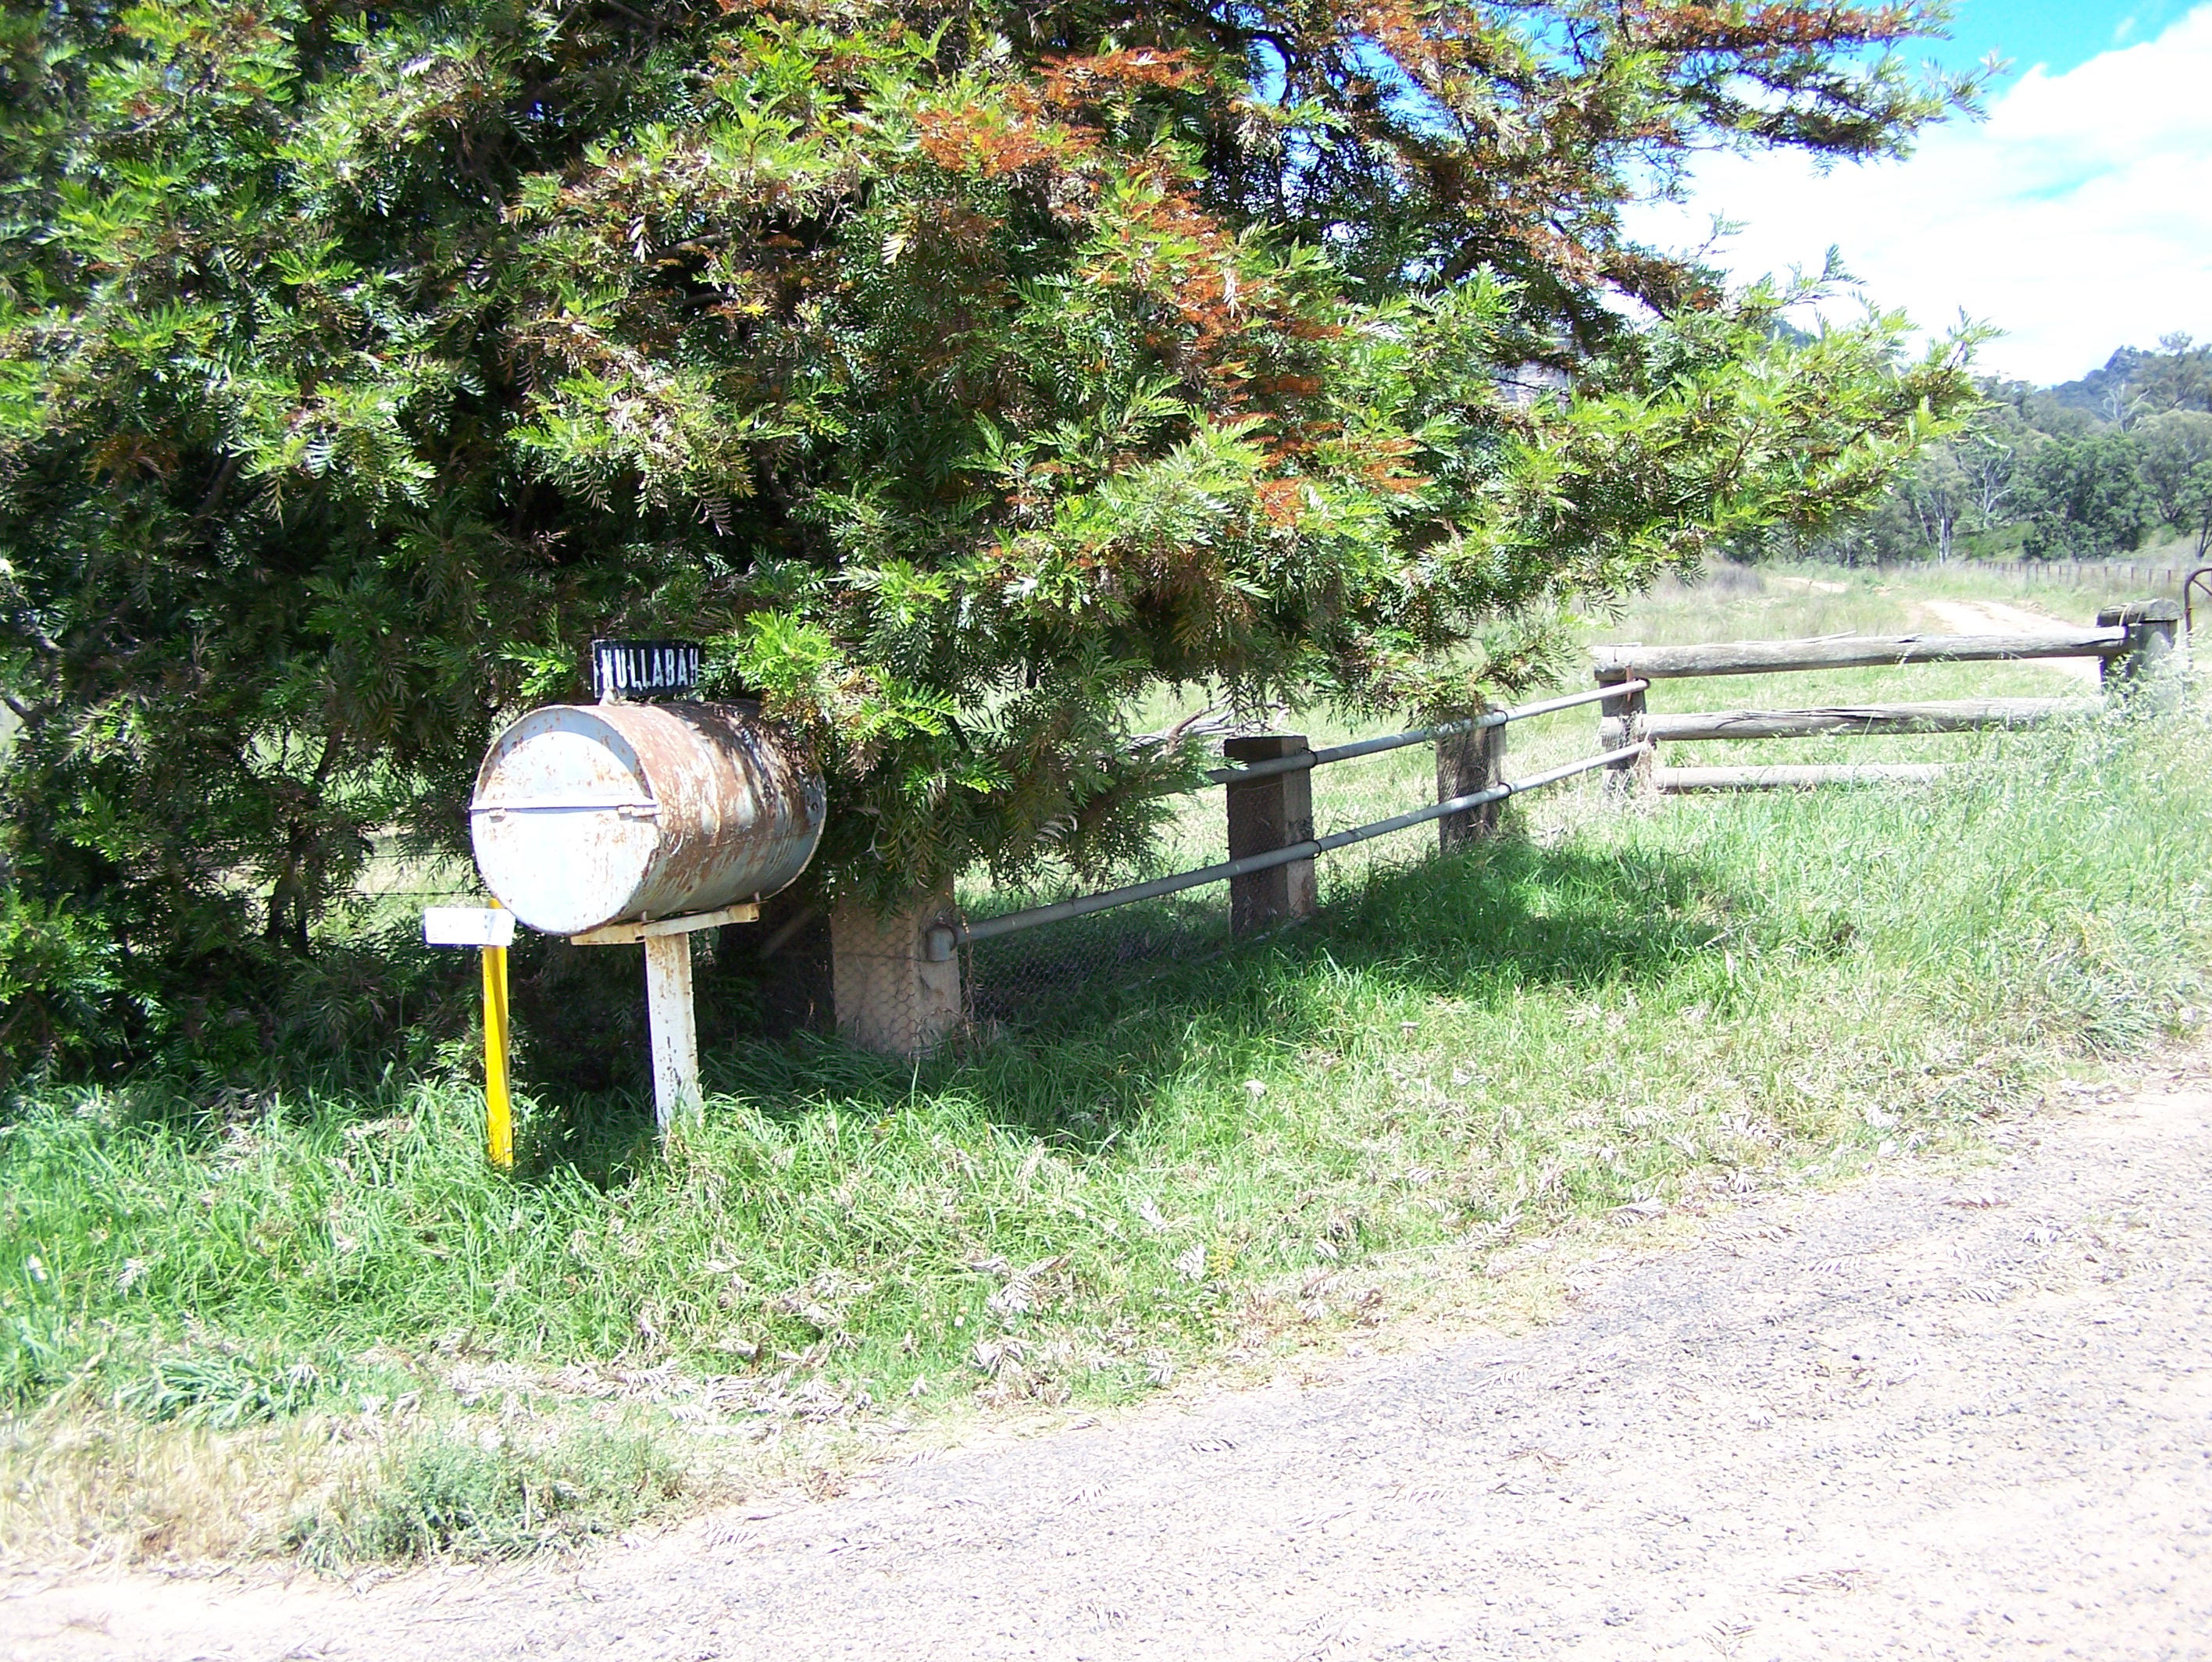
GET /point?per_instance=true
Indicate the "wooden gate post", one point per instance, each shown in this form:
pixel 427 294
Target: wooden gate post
pixel 892 997
pixel 1264 814
pixel 2147 664
pixel 1467 763
pixel 1621 726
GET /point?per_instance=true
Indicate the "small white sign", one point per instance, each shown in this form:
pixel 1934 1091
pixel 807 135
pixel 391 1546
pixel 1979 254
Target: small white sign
pixel 468 925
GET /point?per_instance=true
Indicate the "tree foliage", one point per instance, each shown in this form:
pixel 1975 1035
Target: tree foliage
pixel 2087 498
pixel 961 371
pixel 2176 466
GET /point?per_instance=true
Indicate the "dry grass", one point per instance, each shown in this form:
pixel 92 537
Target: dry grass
pixel 93 1485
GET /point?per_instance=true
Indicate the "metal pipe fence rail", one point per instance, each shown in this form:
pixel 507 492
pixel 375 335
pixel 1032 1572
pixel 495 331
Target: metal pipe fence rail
pixel 1270 820
pixel 947 937
pixel 1370 747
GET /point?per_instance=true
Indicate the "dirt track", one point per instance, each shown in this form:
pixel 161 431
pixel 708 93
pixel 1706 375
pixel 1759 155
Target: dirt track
pixel 1923 1417
pixel 1995 617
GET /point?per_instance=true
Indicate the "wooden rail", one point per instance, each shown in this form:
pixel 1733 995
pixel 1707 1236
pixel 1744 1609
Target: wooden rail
pixel 1673 781
pixel 2131 643
pixel 1953 716
pixel 1847 653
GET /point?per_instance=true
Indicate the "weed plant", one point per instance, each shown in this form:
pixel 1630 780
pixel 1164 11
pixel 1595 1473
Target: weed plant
pixel 486 1493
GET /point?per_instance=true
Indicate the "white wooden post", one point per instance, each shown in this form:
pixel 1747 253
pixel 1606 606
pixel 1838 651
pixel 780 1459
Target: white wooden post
pixel 669 1015
pixel 668 1011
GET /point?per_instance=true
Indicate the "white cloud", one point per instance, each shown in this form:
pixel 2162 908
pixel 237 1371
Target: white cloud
pixel 2077 218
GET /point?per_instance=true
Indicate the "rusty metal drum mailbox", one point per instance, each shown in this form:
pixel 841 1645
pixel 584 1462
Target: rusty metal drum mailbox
pixel 590 815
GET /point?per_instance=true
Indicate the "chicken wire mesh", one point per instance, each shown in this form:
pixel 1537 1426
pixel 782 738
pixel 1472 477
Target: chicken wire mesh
pixel 1023 978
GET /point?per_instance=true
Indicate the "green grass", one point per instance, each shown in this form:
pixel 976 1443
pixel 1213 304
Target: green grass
pixel 1613 1005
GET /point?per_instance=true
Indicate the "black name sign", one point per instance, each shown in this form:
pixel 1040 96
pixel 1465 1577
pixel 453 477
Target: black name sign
pixel 640 669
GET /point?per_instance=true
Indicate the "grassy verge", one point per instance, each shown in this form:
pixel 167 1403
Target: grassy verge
pixel 306 1319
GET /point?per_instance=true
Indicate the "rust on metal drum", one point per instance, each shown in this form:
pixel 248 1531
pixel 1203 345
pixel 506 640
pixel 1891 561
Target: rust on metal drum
pixel 593 814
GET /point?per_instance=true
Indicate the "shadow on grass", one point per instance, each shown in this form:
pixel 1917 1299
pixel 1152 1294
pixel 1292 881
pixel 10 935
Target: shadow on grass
pixel 1082 1032
pixel 1072 1061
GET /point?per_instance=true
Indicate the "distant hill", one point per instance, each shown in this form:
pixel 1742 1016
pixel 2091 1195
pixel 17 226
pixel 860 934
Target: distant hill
pixel 2135 383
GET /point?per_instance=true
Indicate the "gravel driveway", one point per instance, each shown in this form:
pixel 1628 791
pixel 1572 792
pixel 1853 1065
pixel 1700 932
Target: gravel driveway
pixel 1925 1416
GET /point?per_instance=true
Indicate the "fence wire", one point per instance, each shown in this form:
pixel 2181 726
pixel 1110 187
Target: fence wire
pixel 1025 979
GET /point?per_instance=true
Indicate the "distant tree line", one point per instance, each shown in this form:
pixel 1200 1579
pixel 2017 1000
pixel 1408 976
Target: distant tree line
pixel 2084 470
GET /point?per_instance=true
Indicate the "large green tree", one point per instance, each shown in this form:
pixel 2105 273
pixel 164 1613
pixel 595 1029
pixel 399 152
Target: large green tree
pixel 2177 472
pixel 961 371
pixel 2086 497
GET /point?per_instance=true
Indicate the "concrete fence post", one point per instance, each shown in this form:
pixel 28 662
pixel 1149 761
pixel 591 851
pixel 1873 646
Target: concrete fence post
pixel 891 996
pixel 1467 763
pixel 1266 814
pixel 2151 658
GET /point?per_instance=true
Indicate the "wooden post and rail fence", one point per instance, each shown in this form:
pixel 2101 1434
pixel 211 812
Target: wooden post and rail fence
pixel 2131 643
pixel 914 995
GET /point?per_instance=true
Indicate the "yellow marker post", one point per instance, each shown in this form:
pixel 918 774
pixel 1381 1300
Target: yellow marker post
pixel 489 928
pixel 499 1111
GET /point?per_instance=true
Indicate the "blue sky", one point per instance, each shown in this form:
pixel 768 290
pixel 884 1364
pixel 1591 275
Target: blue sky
pixel 2076 218
pixel 2058 33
